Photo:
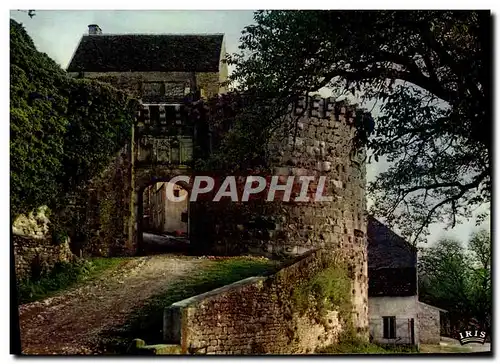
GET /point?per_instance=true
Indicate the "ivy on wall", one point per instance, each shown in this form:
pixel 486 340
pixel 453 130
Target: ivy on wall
pixel 330 289
pixel 64 131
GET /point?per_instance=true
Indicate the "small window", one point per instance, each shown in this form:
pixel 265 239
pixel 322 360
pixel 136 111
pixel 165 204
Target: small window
pixel 153 89
pixel 177 193
pixel 154 114
pixel 389 327
pixel 175 152
pixel 170 114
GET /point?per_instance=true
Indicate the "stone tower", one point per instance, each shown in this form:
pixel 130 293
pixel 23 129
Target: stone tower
pixel 321 144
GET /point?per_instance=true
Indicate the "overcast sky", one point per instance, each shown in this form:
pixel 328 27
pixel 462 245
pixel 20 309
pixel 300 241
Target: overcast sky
pixel 57 33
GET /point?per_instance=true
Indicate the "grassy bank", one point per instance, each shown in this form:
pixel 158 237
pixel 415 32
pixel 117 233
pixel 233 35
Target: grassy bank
pixel 147 322
pixel 63 276
pixel 358 347
pixel 350 343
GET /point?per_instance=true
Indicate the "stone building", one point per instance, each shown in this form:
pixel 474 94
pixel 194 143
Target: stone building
pixel 321 147
pixel 396 315
pixel 392 287
pixel 155 68
pixel 257 315
pixel 431 321
pixel 177 212
pixel 162 215
pixel 162 71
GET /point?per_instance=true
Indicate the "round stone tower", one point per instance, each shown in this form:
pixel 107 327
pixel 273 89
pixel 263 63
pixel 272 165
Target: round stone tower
pixel 318 141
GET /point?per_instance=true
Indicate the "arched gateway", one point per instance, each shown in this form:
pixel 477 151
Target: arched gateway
pixel 162 71
pixel 163 147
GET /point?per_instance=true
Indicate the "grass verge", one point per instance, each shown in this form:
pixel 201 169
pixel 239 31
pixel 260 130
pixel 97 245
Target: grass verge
pixel 349 343
pixel 436 349
pixel 147 323
pixel 365 348
pixel 63 276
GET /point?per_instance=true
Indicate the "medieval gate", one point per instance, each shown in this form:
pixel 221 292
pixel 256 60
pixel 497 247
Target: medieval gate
pixel 164 140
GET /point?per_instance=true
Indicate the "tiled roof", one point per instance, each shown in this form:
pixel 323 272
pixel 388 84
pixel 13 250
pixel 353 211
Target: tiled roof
pixel 386 249
pixel 392 262
pixel 146 53
pixel 431 306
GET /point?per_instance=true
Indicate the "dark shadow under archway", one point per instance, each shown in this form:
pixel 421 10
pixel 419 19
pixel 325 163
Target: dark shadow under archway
pixel 163 226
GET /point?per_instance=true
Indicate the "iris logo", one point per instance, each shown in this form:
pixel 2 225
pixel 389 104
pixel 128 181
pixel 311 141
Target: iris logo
pixel 472 336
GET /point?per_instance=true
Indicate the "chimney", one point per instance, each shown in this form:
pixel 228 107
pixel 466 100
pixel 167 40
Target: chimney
pixel 94 29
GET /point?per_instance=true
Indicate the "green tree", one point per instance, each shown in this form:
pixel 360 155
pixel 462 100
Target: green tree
pixel 430 73
pixel 457 278
pixel 63 131
pixel 37 123
pixel 480 266
pixel 443 276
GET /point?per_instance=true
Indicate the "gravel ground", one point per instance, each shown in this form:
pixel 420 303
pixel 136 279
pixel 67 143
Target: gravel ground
pixel 70 322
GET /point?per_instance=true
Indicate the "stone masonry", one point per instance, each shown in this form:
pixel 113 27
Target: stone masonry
pixel 34 257
pixel 429 324
pixel 34 251
pixel 132 82
pixel 35 225
pixel 322 146
pixel 254 316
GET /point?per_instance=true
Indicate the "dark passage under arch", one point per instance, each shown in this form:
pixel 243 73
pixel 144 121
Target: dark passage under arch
pixel 163 225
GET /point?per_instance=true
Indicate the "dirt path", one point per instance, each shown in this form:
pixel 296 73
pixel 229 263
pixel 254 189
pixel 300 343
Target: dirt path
pixel 67 324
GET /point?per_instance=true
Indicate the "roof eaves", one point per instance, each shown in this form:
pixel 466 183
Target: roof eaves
pixel 158 34
pixel 74 52
pixel 413 248
pixel 437 308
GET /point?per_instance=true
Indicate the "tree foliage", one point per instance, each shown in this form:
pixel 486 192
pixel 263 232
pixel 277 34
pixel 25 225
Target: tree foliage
pixel 63 131
pixel 458 279
pixel 428 71
pixel 240 125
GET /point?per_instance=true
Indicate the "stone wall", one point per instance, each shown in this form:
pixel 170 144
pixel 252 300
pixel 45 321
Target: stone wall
pixel 429 324
pixel 403 308
pixel 132 82
pixel 34 257
pixel 210 82
pixel 320 144
pixel 34 251
pixel 256 315
pixel 101 214
pixel 113 191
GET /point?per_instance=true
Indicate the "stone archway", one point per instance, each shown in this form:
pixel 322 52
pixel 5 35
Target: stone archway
pixel 144 178
pixel 163 147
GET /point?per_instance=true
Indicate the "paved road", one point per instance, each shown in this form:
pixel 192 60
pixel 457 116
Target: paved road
pixel 155 243
pixel 449 345
pixel 70 322
pixel 156 239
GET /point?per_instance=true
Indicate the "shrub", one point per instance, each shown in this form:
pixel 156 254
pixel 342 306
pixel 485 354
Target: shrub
pixel 63 131
pixel 330 289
